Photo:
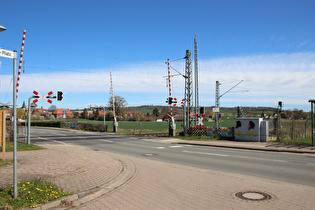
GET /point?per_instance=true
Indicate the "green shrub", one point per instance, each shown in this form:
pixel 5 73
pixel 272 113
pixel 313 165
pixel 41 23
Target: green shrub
pixel 57 124
pixel 92 127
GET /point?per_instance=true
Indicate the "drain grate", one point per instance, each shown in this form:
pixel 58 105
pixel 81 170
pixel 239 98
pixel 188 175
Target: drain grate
pixel 253 196
pixel 149 154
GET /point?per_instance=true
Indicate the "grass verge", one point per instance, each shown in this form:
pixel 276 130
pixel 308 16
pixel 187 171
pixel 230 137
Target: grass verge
pixel 306 141
pixel 30 194
pixel 6 162
pixel 21 146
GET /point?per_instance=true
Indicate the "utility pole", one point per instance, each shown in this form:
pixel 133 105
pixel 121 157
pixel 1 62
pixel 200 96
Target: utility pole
pixel 169 85
pixel 217 103
pixel 197 111
pixel 188 87
pixel 115 124
pixel 279 108
pixel 312 101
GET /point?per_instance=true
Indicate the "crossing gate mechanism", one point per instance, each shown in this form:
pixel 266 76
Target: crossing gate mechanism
pixel 199 121
pixel 182 102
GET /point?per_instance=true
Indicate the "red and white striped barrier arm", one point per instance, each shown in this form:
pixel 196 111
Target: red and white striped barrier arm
pixel 20 65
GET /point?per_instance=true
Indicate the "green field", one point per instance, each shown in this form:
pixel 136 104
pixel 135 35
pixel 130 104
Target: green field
pixel 142 127
pixel 151 127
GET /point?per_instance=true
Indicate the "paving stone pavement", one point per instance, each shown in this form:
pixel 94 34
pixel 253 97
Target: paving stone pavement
pixel 73 168
pixel 158 185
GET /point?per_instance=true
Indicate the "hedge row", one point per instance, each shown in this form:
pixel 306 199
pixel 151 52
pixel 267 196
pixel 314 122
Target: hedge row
pixel 57 124
pixel 92 127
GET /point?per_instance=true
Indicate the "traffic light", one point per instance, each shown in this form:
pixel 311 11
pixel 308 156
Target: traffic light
pixel 169 100
pixel 202 110
pixel 59 95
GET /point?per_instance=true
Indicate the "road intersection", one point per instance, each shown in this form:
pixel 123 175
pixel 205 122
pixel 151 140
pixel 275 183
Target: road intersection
pixel 112 171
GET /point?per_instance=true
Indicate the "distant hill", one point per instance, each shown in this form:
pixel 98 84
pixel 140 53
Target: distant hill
pixel 149 109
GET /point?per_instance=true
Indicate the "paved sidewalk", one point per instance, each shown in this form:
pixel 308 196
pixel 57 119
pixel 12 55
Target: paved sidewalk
pixel 158 185
pixel 72 168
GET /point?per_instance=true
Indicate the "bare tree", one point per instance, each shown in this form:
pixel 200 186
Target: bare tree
pixel 120 104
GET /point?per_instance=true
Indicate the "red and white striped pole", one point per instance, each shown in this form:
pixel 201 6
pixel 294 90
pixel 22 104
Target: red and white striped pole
pixel 20 65
pixel 169 83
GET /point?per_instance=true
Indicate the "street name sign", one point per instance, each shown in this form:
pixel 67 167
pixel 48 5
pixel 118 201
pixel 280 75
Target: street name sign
pixel 6 53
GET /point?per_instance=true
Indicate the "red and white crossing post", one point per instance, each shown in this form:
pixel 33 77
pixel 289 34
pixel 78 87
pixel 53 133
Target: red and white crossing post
pixel 39 97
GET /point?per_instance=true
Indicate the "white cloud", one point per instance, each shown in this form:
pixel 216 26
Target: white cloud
pixel 289 77
pixel 267 77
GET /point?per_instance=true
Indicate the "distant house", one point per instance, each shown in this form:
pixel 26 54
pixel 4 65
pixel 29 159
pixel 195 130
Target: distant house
pixel 131 114
pixel 42 112
pixel 59 112
pixel 166 117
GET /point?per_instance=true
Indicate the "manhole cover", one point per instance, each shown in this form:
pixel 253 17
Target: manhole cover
pixel 149 154
pixel 96 149
pixel 253 196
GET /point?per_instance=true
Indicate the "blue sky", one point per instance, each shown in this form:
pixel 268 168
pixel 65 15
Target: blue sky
pixel 73 45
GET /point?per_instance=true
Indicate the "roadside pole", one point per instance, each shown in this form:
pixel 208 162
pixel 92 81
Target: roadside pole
pixel 14 127
pixel 12 55
pixel 312 117
pixel 279 109
pixel 29 120
pixel 3 130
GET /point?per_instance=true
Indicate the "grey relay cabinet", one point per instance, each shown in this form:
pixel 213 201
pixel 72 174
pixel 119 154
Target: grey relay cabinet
pixel 251 129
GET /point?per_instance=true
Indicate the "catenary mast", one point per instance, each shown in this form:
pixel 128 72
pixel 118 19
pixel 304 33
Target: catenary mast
pixel 188 87
pixel 196 79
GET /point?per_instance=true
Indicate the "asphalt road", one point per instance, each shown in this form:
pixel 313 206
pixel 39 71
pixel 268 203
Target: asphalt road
pixel 294 168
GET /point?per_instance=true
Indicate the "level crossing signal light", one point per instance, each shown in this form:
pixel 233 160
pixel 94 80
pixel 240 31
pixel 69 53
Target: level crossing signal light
pixel 59 95
pixel 169 100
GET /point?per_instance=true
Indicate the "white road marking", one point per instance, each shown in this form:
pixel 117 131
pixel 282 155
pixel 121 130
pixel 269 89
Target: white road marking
pixel 160 147
pixel 206 153
pixel 60 142
pixel 176 146
pixel 55 141
pixel 237 156
pixel 282 161
pixel 107 141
